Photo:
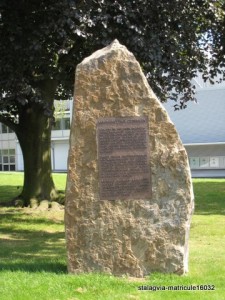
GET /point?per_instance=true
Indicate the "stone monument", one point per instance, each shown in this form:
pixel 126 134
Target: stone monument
pixel 129 194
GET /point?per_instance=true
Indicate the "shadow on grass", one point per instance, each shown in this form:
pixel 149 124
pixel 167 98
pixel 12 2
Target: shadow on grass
pixel 15 217
pixel 8 193
pixel 48 267
pixel 209 197
pixel 26 246
pixel 29 249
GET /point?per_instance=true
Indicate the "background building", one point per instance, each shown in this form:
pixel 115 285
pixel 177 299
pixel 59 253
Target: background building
pixel 7 149
pixel 201 127
pixel 11 158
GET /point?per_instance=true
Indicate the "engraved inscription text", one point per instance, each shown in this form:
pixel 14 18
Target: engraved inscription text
pixel 123 156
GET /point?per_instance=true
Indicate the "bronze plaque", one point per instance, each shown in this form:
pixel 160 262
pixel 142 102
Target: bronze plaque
pixel 123 158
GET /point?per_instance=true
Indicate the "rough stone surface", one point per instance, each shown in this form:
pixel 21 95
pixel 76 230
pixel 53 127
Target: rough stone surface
pixel 132 237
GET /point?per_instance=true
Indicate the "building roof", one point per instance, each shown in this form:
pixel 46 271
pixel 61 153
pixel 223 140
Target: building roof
pixel 204 121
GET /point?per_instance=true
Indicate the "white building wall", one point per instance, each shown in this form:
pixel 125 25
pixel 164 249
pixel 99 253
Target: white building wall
pixel 7 140
pixel 60 155
pixel 19 158
pixel 201 127
pixel 201 122
pixel 207 160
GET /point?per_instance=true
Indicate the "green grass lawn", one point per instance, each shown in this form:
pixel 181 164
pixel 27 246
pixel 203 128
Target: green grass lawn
pixel 11 184
pixel 33 255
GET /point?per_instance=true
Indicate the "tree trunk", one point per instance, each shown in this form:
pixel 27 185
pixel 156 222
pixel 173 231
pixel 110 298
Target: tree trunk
pixel 34 135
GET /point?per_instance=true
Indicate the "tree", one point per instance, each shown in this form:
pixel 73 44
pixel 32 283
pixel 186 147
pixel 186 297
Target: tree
pixel 42 42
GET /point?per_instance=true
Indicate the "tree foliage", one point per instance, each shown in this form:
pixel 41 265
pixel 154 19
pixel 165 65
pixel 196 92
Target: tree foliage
pixel 172 39
pixel 43 40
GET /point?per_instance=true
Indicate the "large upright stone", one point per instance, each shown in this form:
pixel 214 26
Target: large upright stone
pixel 106 231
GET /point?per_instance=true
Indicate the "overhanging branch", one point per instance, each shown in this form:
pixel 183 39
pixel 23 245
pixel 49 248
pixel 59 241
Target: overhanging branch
pixel 6 120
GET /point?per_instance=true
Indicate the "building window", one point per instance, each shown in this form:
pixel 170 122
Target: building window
pixel 65 123
pixel 5 129
pixel 204 162
pixel 62 124
pixel 57 124
pixel 207 162
pixel 7 160
pixel 214 162
pixel 194 162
